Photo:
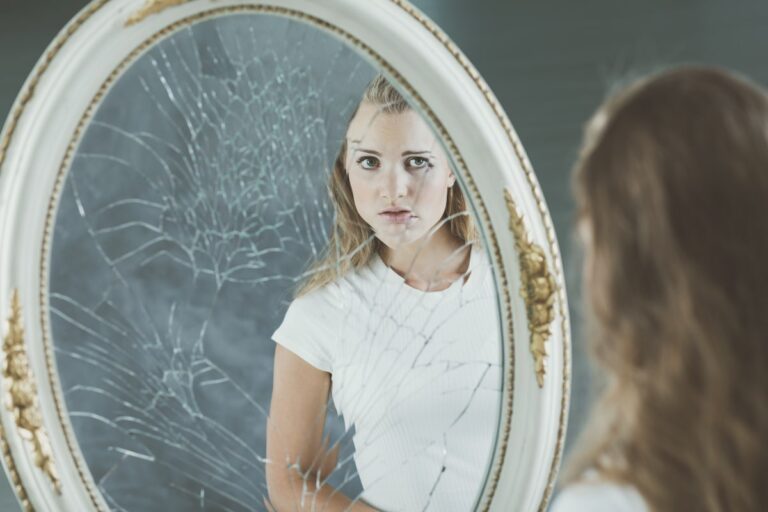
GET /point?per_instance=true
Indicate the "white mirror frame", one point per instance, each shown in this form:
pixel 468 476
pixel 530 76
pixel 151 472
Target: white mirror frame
pixel 40 452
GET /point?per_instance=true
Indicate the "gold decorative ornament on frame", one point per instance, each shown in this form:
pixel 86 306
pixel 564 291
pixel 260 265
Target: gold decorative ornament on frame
pixel 21 395
pixel 538 288
pixel 152 7
pixel 13 473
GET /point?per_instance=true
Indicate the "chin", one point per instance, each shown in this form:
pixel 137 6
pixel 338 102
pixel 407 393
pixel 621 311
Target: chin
pixel 395 241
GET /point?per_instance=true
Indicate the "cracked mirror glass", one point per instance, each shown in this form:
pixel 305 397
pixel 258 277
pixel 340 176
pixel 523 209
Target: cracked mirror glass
pixel 267 290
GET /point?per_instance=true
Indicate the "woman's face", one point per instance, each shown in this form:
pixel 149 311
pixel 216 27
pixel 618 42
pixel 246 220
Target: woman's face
pixel 394 162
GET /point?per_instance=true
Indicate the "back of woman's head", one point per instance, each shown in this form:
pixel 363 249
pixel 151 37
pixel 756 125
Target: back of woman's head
pixel 672 188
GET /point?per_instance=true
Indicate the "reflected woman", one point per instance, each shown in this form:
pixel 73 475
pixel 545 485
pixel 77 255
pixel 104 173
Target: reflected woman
pixel 672 188
pixel 398 323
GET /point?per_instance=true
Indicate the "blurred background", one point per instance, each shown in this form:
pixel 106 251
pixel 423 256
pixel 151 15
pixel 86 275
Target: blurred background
pixel 549 64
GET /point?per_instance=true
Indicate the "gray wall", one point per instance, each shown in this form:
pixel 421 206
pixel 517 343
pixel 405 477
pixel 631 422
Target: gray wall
pixel 549 64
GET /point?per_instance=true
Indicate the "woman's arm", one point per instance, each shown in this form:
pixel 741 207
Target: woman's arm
pixel 298 459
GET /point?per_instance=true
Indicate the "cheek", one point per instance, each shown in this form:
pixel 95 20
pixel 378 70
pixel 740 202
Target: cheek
pixel 433 193
pixel 584 232
pixel 362 191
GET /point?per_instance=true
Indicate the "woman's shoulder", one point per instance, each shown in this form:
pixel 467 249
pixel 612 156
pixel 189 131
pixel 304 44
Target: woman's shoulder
pixel 327 296
pixel 310 326
pixel 598 496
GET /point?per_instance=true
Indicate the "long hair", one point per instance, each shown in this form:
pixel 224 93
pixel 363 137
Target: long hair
pixel 352 243
pixel 672 184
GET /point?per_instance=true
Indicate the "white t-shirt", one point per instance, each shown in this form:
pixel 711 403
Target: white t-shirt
pixel 595 495
pixel 417 373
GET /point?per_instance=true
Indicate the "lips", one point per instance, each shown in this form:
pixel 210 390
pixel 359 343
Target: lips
pixel 397 215
pixel 395 210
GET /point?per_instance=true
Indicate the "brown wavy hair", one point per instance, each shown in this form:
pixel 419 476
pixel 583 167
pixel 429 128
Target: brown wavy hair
pixel 352 243
pixel 672 186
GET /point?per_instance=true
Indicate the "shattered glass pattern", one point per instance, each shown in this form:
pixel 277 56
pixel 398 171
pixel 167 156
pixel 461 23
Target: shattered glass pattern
pixel 192 207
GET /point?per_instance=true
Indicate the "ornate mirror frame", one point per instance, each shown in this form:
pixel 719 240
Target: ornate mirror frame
pixel 40 452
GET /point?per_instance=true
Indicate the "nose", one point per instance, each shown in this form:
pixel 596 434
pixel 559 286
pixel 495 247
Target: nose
pixel 396 182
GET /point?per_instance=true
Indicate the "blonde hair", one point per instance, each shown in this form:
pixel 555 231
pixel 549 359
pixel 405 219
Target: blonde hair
pixel 673 182
pixel 352 243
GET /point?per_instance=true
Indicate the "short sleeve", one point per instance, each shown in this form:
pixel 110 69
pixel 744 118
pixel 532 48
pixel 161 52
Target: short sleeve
pixel 310 327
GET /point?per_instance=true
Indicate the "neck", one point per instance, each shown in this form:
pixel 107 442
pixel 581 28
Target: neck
pixel 431 264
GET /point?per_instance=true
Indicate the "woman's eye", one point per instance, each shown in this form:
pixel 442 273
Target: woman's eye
pixel 418 162
pixel 368 162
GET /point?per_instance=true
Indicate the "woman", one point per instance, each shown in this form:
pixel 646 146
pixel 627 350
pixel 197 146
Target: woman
pixel 672 189
pixel 396 324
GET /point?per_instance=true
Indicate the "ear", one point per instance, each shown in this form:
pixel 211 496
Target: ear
pixel 451 179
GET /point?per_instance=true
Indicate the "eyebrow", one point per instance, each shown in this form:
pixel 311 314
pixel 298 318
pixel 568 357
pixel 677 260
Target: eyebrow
pixel 405 153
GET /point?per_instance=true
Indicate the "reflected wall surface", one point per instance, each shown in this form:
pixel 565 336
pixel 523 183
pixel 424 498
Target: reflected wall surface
pixel 192 205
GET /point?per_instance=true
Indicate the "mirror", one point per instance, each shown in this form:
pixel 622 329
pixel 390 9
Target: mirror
pixel 197 205
pixel 274 257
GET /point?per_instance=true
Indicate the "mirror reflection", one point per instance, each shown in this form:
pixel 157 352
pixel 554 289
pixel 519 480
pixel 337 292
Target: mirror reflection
pixel 267 290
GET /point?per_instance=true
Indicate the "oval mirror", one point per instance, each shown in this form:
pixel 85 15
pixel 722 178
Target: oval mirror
pixel 274 256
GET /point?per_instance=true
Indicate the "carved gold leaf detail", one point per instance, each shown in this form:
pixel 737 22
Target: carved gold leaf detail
pixel 13 473
pixel 152 7
pixel 538 288
pixel 21 397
